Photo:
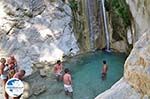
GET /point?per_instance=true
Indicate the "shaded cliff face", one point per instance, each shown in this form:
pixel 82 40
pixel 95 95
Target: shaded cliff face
pixel 88 24
pixel 141 13
pixel 36 30
pixel 90 29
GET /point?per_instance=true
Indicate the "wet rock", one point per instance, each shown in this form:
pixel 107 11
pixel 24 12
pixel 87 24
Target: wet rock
pixel 39 89
pixel 43 73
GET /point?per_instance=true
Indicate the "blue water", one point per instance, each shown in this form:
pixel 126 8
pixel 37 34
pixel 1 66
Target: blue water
pixel 86 75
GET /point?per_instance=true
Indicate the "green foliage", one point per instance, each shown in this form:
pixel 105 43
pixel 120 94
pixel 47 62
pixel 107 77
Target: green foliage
pixel 73 5
pixel 121 9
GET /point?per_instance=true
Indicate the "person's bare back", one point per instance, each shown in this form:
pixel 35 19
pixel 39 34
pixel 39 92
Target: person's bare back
pixel 67 83
pixel 67 79
pixel 104 70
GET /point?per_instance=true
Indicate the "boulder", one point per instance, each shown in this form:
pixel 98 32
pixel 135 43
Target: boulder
pixel 120 90
pixel 43 73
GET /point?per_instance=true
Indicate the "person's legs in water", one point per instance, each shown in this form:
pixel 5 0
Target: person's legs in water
pixel 59 77
pixel 103 76
pixel 71 95
pixel 66 93
pixel 69 91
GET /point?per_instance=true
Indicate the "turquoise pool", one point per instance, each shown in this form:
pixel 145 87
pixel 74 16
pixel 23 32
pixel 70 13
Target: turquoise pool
pixel 86 75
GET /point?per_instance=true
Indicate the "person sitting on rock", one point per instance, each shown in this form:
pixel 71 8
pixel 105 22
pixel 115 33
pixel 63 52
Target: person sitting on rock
pixel 104 70
pixel 67 83
pixel 58 70
pixel 12 63
pixel 4 75
pixel 20 74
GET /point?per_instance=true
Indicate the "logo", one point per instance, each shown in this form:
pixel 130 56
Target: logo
pixel 14 87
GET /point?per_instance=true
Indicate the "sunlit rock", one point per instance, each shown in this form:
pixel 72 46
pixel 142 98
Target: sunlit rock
pixel 136 81
pixel 137 66
pixel 120 90
pixel 36 30
pixel 140 10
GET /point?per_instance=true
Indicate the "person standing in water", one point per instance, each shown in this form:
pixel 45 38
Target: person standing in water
pixel 58 70
pixel 104 70
pixel 68 83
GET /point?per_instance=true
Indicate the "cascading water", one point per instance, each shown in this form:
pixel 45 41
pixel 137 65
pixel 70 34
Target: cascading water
pixel 105 26
pixel 91 22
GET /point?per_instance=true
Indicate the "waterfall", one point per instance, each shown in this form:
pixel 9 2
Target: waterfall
pixel 91 22
pixel 105 26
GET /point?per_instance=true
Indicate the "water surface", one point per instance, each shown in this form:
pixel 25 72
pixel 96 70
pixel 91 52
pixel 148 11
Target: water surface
pixel 86 75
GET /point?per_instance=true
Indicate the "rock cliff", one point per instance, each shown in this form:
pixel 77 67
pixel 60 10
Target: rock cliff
pixel 136 81
pixel 36 30
pixel 140 10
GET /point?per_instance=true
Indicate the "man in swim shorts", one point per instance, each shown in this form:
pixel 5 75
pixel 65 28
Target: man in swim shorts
pixel 67 83
pixel 58 70
pixel 4 75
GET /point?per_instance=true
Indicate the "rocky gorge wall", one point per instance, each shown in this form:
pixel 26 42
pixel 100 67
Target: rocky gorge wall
pixel 135 83
pixel 89 25
pixel 36 30
pixel 141 16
